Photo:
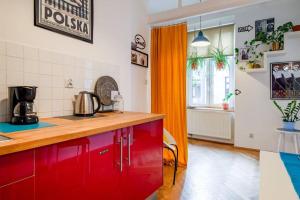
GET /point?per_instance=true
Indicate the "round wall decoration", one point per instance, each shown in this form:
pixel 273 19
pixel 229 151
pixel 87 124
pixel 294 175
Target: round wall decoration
pixel 103 88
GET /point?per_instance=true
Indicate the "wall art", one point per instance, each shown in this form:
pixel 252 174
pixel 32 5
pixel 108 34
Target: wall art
pixel 245 29
pixel 139 58
pixel 265 26
pixel 285 80
pixel 73 18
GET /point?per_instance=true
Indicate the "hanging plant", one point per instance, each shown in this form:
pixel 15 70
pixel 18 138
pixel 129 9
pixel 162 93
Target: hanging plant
pixel 219 57
pixel 194 61
pixel 218 54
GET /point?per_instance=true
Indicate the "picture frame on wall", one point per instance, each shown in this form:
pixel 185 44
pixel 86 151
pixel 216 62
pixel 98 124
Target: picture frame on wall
pixel 285 80
pixel 139 58
pixel 73 18
pixel 265 26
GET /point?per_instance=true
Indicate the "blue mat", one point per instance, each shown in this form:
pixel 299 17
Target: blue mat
pixel 10 128
pixel 292 164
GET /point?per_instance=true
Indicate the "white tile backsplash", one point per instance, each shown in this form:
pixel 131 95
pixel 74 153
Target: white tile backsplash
pixel 31 66
pixel 14 50
pixel 31 53
pixel 2 62
pixel 15 78
pixel 26 65
pixel 14 64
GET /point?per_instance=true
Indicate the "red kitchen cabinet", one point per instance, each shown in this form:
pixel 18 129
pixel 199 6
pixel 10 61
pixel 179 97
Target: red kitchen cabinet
pixel 104 171
pixel 16 166
pixel 23 189
pixel 62 170
pixel 143 147
pixel 125 164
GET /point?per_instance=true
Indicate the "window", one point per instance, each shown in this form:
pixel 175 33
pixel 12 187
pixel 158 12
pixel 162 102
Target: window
pixel 208 86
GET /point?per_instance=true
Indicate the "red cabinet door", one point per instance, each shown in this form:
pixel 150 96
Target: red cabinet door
pixel 62 170
pixel 143 147
pixel 104 172
pixel 18 190
pixel 16 166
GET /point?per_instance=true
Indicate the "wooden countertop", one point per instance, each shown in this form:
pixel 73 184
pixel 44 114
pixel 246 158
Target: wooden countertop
pixel 72 129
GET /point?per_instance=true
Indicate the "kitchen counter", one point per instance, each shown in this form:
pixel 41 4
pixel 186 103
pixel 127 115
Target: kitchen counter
pixel 72 129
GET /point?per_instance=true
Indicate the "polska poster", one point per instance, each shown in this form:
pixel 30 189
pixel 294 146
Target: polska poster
pixel 69 17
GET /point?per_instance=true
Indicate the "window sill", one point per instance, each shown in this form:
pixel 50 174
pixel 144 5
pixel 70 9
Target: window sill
pixel 231 110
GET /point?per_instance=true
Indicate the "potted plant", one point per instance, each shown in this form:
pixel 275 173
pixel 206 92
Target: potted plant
pixel 276 38
pixel 289 114
pixel 226 101
pixel 194 61
pixel 219 57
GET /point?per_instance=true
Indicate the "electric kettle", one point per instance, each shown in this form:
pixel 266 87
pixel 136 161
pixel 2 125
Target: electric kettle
pixel 84 104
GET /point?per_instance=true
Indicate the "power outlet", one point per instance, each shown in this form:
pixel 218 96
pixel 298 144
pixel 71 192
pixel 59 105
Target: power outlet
pixel 251 135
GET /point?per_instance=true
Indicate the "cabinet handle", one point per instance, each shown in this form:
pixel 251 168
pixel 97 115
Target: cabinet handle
pixel 101 153
pixel 129 150
pixel 121 152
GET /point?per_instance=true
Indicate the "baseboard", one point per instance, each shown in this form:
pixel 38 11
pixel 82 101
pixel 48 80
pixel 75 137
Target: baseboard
pixel 210 139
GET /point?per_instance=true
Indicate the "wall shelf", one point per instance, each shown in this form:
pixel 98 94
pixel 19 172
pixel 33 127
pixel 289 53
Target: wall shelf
pixel 292 35
pixel 256 70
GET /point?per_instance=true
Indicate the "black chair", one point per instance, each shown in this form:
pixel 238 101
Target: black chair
pixel 171 145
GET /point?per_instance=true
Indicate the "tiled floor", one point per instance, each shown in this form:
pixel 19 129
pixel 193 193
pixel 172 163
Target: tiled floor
pixel 214 172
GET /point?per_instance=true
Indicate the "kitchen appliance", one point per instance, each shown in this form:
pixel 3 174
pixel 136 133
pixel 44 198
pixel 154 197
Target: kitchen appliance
pixel 22 110
pixel 84 104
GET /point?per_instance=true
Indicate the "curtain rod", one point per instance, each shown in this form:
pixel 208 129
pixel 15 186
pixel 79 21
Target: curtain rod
pixel 174 24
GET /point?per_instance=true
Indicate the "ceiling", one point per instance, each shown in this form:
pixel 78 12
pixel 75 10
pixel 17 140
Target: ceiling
pixel 157 6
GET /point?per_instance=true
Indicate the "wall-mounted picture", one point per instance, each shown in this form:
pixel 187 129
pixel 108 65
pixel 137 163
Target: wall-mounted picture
pixel 73 18
pixel 139 58
pixel 285 80
pixel 244 54
pixel 265 26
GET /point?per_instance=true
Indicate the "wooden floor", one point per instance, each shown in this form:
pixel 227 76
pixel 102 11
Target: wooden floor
pixel 214 172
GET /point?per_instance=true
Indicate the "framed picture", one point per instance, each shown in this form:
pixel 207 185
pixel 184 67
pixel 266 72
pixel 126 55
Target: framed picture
pixel 73 18
pixel 265 25
pixel 139 58
pixel 244 54
pixel 285 80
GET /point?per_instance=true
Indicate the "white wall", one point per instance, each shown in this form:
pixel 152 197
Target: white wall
pixel 255 112
pixel 115 24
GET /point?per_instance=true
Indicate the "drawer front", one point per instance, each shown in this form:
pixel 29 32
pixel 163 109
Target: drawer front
pixel 16 166
pixel 19 190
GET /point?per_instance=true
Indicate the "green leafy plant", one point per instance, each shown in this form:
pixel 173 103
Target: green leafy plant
pixel 277 36
pixel 228 97
pixel 194 61
pixel 290 113
pixel 219 57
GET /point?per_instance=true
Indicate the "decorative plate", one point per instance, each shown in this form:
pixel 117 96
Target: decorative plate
pixel 103 88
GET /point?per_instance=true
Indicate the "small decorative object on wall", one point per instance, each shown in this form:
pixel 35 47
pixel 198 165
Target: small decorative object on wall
pixel 139 58
pixel 245 29
pixel 265 26
pixel 289 114
pixel 73 18
pixel 285 80
pixel 140 42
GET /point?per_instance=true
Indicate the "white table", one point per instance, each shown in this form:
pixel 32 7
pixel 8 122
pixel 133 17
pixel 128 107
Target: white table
pixel 275 183
pixel 285 132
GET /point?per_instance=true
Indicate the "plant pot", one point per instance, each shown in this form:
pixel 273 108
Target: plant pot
pixel 275 46
pixel 220 65
pixel 296 28
pixel 289 125
pixel 225 106
pixel 250 65
pixel 194 66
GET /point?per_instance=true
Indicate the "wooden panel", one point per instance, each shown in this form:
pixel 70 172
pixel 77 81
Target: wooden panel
pixel 216 124
pixel 68 130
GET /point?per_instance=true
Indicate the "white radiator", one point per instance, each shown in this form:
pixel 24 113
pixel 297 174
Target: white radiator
pixel 210 123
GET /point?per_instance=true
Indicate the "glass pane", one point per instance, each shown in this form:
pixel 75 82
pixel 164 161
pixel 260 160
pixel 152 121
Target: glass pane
pixel 199 85
pixel 221 82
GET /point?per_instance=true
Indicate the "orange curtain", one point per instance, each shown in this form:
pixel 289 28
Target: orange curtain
pixel 168 82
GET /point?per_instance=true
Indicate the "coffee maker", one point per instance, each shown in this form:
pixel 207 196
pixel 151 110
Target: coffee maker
pixel 21 105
